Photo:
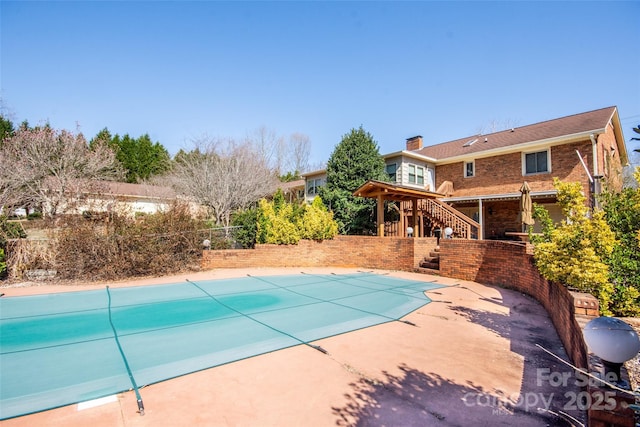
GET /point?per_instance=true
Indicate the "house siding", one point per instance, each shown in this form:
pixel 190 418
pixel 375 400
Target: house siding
pixel 609 163
pixel 503 174
pixel 403 172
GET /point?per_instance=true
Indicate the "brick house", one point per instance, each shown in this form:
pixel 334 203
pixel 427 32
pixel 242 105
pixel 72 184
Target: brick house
pixel 480 176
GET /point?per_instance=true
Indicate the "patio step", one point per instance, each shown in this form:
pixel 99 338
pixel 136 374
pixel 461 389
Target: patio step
pixel 427 271
pixel 431 262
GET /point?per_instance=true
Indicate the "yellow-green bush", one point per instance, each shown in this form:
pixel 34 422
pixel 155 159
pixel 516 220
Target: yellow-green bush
pixel 282 223
pixel 275 226
pixel 317 222
pixel 574 253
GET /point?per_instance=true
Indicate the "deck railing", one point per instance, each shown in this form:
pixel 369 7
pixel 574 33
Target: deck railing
pixel 441 215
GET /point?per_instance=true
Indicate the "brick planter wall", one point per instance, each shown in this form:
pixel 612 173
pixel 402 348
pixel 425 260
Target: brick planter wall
pixel 389 253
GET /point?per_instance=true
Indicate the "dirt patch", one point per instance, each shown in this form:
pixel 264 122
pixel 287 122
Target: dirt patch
pixel 633 365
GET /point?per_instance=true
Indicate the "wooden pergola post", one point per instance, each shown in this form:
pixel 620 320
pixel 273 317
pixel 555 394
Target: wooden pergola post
pixel 380 215
pixel 416 223
pixel 403 220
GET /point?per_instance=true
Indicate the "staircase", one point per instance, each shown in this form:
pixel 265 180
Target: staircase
pixel 430 264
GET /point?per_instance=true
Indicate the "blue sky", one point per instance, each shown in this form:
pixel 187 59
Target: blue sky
pixel 179 70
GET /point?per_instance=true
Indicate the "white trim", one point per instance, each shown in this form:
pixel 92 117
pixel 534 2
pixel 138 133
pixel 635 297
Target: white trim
pixel 498 196
pixel 594 147
pixel 410 154
pixel 316 172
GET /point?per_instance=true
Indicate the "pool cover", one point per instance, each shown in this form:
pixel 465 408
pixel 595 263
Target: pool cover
pixel 59 349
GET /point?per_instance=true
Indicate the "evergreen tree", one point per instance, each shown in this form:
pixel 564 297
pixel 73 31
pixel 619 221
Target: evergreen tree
pixel 141 158
pixel 355 160
pixel 6 129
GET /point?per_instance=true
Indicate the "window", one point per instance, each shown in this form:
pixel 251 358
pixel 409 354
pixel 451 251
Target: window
pixel 536 162
pixel 391 171
pixel 416 174
pixel 313 186
pixel 469 169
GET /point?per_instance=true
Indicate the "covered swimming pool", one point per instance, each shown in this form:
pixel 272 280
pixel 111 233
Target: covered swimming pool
pixel 59 349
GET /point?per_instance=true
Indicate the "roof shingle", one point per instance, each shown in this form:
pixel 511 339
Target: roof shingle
pixel 564 126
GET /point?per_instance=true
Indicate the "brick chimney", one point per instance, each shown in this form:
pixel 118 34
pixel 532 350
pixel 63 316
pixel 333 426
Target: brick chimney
pixel 414 143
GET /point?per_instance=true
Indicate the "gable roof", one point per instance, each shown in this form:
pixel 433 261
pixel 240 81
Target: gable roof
pixel 125 189
pixel 391 191
pixel 577 125
pixel 287 187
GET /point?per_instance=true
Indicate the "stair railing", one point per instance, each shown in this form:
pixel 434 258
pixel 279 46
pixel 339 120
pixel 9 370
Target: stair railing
pixel 444 215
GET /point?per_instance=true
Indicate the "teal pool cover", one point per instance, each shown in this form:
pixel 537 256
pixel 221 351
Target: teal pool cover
pixel 64 348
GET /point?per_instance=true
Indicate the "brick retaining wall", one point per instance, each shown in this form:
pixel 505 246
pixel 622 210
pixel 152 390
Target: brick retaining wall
pixel 510 265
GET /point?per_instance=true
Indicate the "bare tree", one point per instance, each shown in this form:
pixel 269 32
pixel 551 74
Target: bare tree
pixel 282 155
pixel 49 168
pixel 299 152
pixel 271 147
pixel 224 176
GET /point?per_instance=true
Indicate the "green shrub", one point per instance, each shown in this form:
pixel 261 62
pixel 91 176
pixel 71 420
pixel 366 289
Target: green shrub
pixel 10 230
pixel 34 215
pixel 3 264
pixel 622 213
pixel 248 221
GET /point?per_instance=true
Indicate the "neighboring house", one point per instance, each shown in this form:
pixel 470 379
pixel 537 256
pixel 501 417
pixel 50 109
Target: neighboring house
pixel 481 175
pixel 126 198
pixel 313 181
pixel 293 190
pixel 132 198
